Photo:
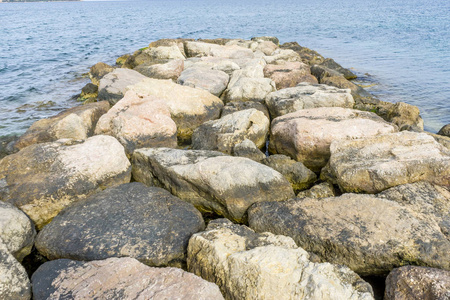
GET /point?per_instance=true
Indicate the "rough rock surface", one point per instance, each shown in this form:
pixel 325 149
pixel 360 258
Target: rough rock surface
pixel 189 107
pixel 373 164
pixel 248 149
pixel 42 179
pixel 164 52
pixel 305 96
pixel 146 223
pixel 215 63
pixel 117 278
pixel 366 233
pixel 411 282
pixel 289 74
pixel 308 56
pixel 232 107
pixel 138 122
pixel 16 230
pixel 322 190
pixel 199 49
pixel 75 123
pixel 223 134
pixel 405 116
pixel 248 265
pixel 248 89
pixel 445 131
pixel 287 55
pixel 306 135
pixel 99 70
pixel 210 180
pixel 112 86
pixel 14 282
pixel 213 81
pixel 169 70
pixel 331 64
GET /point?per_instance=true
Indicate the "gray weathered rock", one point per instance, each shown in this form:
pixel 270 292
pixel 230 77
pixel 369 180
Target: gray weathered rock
pixel 164 52
pixel 373 164
pixel 232 107
pixel 223 134
pixel 248 149
pixel 289 74
pixel 199 49
pixel 213 81
pixel 412 282
pixel 113 85
pixel 146 223
pixel 283 54
pixel 272 39
pixel 331 64
pixel 99 70
pixel 169 70
pixel 366 233
pixel 215 63
pixel 117 278
pixel 14 282
pixel 211 181
pixel 305 96
pixel 248 265
pixel 42 179
pixel 445 131
pixel 248 89
pixel 322 190
pixel 308 56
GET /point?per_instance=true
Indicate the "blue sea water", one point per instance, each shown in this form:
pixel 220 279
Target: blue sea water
pixel 399 48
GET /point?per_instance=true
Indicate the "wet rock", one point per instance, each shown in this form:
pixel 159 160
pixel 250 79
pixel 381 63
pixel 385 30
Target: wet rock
pixel 210 180
pixel 120 61
pixel 223 134
pixel 113 86
pixel 248 265
pixel 74 123
pixel 305 96
pixel 373 164
pixel 213 81
pixel 169 70
pixel 322 190
pixel 306 135
pixel 99 70
pixel 289 74
pixel 368 234
pixel 14 282
pixel 445 131
pixel 232 107
pixel 117 278
pixel 89 93
pixel 248 149
pixel 331 64
pixel 42 179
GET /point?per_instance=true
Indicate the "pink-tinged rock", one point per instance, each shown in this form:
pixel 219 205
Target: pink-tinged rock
pixel 289 74
pixel 306 135
pixel 138 122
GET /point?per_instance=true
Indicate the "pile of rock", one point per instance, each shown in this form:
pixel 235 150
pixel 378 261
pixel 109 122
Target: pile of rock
pixel 188 131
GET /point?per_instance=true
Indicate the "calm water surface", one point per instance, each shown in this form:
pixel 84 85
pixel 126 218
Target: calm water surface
pixel 45 48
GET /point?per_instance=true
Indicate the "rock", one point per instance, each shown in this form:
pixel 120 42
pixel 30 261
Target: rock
pixel 373 164
pixel 6 145
pixel 295 172
pixel 89 93
pixel 232 107
pixel 248 89
pixel 443 140
pixel 283 54
pixel 217 41
pixel 74 123
pixel 306 135
pixel 211 181
pixel 322 190
pixel 248 149
pixel 14 282
pixel 42 179
pixel 214 63
pixel 368 234
pixel 120 61
pixel 199 49
pixel 248 265
pixel 445 131
pixel 164 52
pixel 411 282
pixel 117 278
pixel 289 74
pixel 141 57
pixel 405 116
pixel 308 56
pixel 266 38
pixel 112 86
pixel 99 70
pixel 331 64
pixel 170 42
pixel 189 107
pixel 16 231
pixel 223 134
pixel 305 96
pixel 359 94
pixel 266 47
pixel 169 70
pixel 139 122
pixel 146 223
pixel 213 81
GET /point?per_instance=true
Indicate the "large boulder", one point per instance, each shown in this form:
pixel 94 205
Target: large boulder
pixel 16 230
pixel 189 107
pixel 42 179
pixel 404 115
pixel 248 89
pixel 117 278
pixel 308 56
pixel 412 282
pixel 305 96
pixel 210 180
pixel 445 131
pixel 289 74
pixel 169 70
pixel 373 164
pixel 306 135
pixel 97 71
pixel 164 52
pixel 248 265
pixel 283 54
pixel 139 122
pixel 113 85
pixel 248 149
pixel 232 107
pixel 364 232
pixel 223 134
pixel 213 81
pixel 146 223
pixel 215 63
pixel 74 123
pixel 331 64
pixel 199 49
pixel 14 282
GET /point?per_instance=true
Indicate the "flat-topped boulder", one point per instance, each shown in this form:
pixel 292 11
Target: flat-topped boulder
pixel 248 89
pixel 306 96
pixel 113 85
pixel 189 107
pixel 289 74
pixel 169 70
pixel 210 180
pixel 223 134
pixel 44 178
pixel 215 63
pixel 146 223
pixel 168 51
pixel 139 122
pixel 114 278
pixel 369 234
pixel 14 282
pixel 373 164
pixel 250 265
pixel 199 49
pixel 306 135
pixel 213 81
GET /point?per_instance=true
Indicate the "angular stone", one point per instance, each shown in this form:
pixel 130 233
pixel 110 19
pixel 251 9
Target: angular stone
pixel 164 52
pixel 368 234
pixel 305 96
pixel 232 107
pixel 42 179
pixel 308 56
pixel 331 64
pixel 248 149
pixel 306 135
pixel 223 134
pixel 169 70
pixel 215 63
pixel 322 190
pixel 283 54
pixel 248 265
pixel 99 70
pixel 117 278
pixel 405 116
pixel 289 74
pixel 213 81
pixel 113 85
pixel 248 89
pixel 14 282
pixel 211 181
pixel 373 164
pixel 199 49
